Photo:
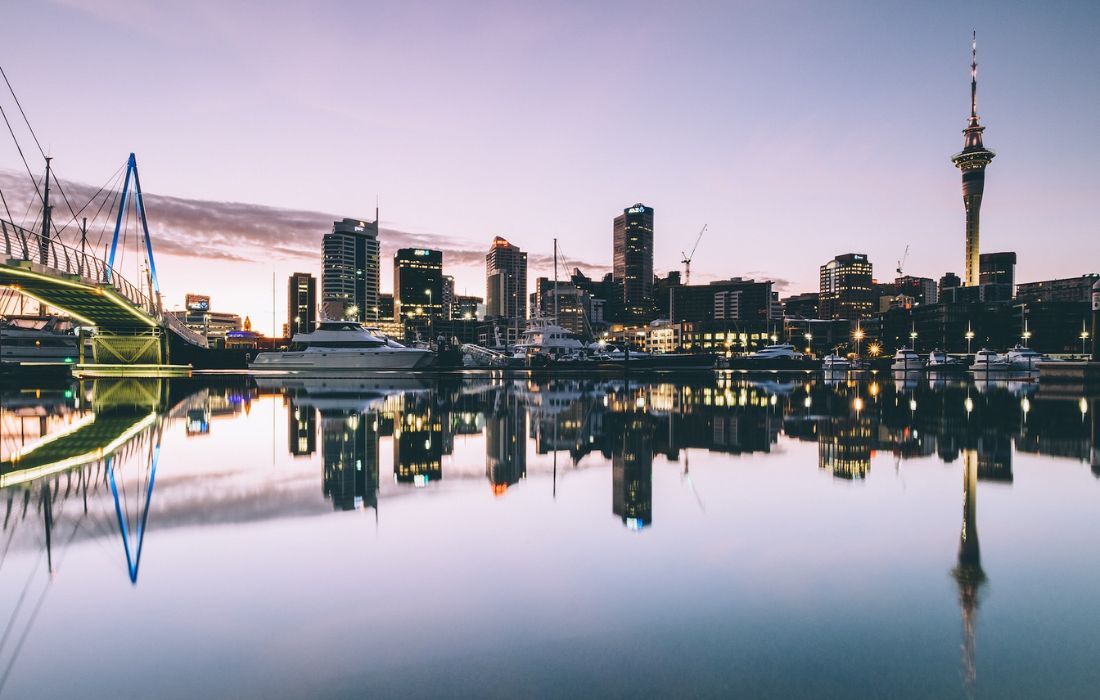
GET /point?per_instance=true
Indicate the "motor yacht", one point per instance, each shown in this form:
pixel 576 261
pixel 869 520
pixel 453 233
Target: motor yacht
pixel 940 361
pixel 986 360
pixel 548 339
pixel 835 363
pixel 907 360
pixel 775 352
pixel 1023 358
pixel 37 340
pixel 343 345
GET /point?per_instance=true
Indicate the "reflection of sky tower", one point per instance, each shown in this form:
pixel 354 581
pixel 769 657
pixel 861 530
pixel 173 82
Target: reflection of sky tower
pixel 968 573
pixel 972 161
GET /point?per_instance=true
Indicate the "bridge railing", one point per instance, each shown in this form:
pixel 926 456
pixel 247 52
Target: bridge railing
pixel 23 244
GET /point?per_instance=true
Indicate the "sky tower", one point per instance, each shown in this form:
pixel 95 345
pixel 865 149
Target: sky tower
pixel 972 161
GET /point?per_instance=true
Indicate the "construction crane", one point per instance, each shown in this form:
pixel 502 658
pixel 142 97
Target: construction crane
pixel 688 256
pixel 901 263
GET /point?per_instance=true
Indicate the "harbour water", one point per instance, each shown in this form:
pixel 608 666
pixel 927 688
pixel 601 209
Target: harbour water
pixel 491 536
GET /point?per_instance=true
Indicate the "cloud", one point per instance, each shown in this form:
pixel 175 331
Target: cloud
pixel 233 231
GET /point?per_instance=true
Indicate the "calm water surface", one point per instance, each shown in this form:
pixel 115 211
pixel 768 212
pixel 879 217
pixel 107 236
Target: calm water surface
pixel 503 537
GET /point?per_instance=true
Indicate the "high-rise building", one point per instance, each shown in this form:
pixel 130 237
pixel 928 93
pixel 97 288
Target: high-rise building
pixel 465 307
pixel 846 287
pixel 972 161
pixel 801 305
pixel 448 296
pixel 699 302
pixel 301 305
pixel 949 281
pixel 997 268
pixel 505 281
pixel 349 279
pixel 417 283
pixel 632 258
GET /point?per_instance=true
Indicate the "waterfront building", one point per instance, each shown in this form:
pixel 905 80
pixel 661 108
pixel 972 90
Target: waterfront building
pixel 301 306
pixel 972 161
pixel 1066 289
pixel 385 307
pixel 467 308
pixel 418 284
pixel 199 317
pixel 572 307
pixel 801 305
pixel 697 302
pixel 506 287
pixel 632 257
pixel 949 281
pixel 846 287
pixel 349 276
pixel 998 269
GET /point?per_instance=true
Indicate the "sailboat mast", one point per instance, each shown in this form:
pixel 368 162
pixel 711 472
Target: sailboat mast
pixel 556 281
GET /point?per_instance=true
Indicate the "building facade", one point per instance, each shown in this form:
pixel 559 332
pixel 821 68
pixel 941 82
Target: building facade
pixel 1067 289
pixel 418 286
pixel 349 277
pixel 506 283
pixel 846 287
pixel 632 258
pixel 741 300
pixel 301 305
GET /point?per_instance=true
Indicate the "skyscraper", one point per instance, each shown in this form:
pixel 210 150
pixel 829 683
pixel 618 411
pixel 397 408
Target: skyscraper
pixel 349 279
pixel 301 306
pixel 845 290
pixel 417 283
pixel 972 161
pixel 505 281
pixel 633 258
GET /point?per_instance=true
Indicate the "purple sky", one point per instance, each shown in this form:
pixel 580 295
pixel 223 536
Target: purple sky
pixel 795 130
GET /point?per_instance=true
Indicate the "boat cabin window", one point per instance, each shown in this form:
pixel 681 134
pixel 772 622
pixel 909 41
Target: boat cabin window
pixel 298 347
pixel 339 326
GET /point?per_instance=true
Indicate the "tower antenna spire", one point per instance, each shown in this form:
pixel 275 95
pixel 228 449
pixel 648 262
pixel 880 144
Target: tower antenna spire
pixel 974 77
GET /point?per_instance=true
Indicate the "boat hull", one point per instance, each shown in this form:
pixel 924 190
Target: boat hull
pixel 362 361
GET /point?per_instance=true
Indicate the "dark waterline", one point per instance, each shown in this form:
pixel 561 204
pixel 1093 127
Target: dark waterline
pixel 765 537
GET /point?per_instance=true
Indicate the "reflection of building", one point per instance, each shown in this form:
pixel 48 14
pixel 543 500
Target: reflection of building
pixel 506 443
pixel 632 256
pixel 301 307
pixel 349 279
pixel 968 572
pixel 846 287
pixel 844 447
pixel 349 445
pixel 632 473
pixel 995 456
pixel 301 430
pixel 418 442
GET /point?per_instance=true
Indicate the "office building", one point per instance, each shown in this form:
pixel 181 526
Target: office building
pixel 801 305
pixel 417 284
pixel 1067 289
pixel 697 302
pixel 301 305
pixel 465 308
pixel 972 161
pixel 349 278
pixel 997 268
pixel 632 258
pixel 448 296
pixel 846 287
pixel 949 281
pixel 506 282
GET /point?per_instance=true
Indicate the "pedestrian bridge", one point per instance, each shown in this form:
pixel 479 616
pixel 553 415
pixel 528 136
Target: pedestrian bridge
pixel 129 326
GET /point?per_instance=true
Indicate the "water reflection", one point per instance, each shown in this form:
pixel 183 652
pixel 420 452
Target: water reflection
pixel 80 461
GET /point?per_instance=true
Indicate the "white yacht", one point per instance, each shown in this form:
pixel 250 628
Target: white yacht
pixel 37 340
pixel 343 345
pixel 544 337
pixel 1022 358
pixel 988 361
pixel 940 361
pixel 907 360
pixel 835 363
pixel 775 352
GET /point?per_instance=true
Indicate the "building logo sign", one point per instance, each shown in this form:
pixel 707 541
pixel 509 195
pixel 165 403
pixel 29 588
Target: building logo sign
pixel 196 302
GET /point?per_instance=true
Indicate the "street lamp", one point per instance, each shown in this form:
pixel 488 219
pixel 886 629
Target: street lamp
pixel 431 316
pixel 1084 337
pixel 858 335
pixel 809 342
pixel 969 339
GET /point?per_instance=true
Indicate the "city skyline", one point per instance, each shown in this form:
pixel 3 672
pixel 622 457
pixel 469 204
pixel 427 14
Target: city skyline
pixel 900 100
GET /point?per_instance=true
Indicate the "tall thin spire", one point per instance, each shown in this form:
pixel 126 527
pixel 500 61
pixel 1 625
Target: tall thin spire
pixel 974 78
